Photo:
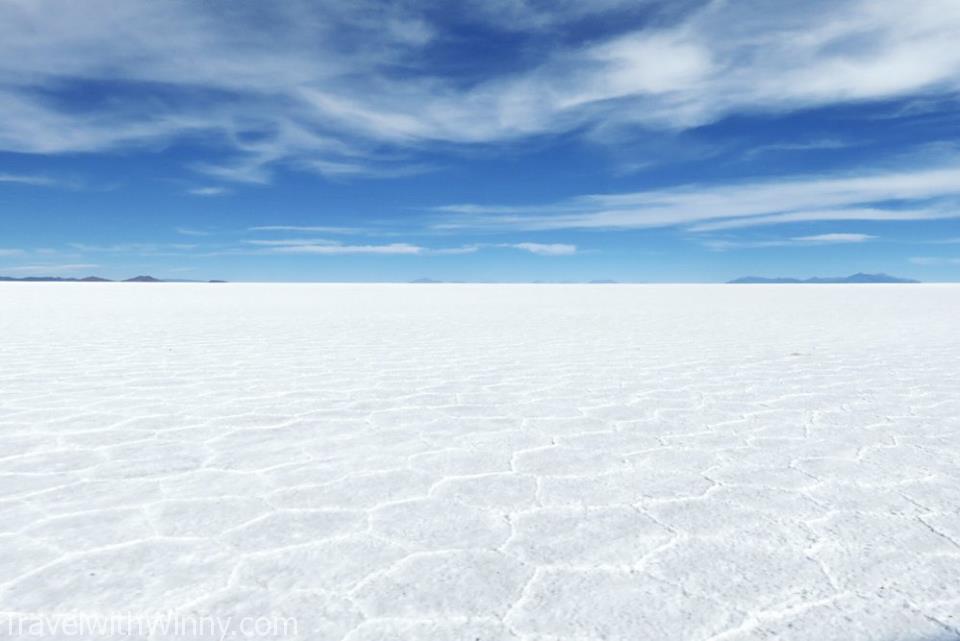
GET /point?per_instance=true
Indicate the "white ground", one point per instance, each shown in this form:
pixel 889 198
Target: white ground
pixel 447 463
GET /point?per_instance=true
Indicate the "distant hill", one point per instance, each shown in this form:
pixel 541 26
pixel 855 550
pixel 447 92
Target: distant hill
pixel 38 279
pixel 854 278
pixel 426 281
pixel 96 279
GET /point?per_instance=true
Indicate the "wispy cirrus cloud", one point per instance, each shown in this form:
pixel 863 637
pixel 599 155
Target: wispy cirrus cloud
pixel 189 231
pixel 834 238
pixel 310 229
pixel 933 212
pixel 336 249
pixel 456 251
pixel 208 191
pixel 796 241
pixel 353 89
pixel 908 194
pixel 289 242
pixel 27 179
pixel 326 246
pixel 545 249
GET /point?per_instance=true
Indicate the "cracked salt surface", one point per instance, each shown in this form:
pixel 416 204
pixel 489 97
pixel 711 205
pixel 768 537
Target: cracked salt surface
pixel 441 463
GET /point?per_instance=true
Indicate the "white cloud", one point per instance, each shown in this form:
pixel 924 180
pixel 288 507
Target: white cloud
pixel 251 169
pixel 850 213
pixel 338 250
pixel 318 229
pixel 314 85
pixel 333 247
pixel 362 168
pixel 453 251
pixel 797 241
pixel 23 179
pixel 208 191
pixel 541 249
pixel 834 238
pixel 874 196
pixel 527 15
pixel 290 242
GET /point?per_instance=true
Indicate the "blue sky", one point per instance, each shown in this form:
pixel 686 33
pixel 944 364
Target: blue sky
pixel 483 140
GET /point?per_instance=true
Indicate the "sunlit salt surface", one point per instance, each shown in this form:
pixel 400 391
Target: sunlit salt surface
pixel 459 462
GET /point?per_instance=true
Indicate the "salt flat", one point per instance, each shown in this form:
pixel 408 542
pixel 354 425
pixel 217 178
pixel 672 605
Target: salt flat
pixel 453 462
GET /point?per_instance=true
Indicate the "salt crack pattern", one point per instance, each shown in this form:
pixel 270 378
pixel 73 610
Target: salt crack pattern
pixel 487 462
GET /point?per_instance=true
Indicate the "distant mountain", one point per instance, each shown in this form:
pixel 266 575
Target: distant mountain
pixel 95 279
pixel 34 279
pixel 53 279
pixel 426 281
pixel 603 281
pixel 855 278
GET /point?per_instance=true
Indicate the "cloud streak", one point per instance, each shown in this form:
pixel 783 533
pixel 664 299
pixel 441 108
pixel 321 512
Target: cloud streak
pixel 545 249
pixel 919 194
pixel 797 241
pixel 188 231
pixel 22 179
pixel 334 249
pixel 319 229
pixel 208 191
pixel 323 246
